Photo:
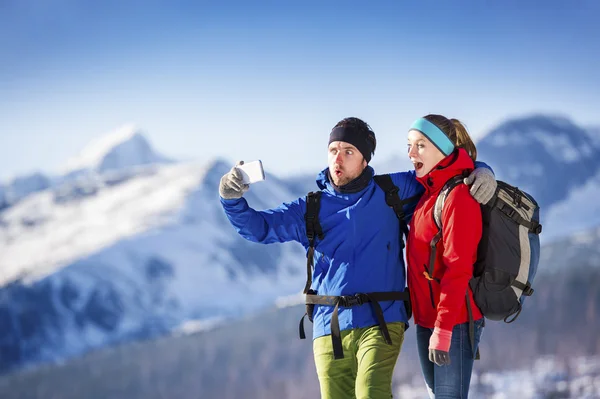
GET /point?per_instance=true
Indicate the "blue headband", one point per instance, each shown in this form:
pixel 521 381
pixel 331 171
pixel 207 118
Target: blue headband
pixel 434 134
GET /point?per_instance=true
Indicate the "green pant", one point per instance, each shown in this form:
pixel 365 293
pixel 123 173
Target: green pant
pixel 367 367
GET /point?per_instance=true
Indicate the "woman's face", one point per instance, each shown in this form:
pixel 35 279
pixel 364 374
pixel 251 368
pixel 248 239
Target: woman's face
pixel 422 153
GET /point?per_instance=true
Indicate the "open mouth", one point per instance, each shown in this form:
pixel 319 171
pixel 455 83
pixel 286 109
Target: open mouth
pixel 418 165
pixel 338 172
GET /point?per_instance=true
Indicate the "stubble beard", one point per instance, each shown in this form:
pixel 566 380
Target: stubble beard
pixel 342 181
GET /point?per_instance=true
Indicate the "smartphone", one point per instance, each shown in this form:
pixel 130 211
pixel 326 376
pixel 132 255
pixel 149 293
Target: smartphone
pixel 252 172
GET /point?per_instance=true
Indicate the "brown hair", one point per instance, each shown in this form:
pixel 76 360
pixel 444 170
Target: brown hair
pixel 456 132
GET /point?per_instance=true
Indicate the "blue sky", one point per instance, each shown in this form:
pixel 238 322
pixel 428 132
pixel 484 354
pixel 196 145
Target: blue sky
pixel 268 80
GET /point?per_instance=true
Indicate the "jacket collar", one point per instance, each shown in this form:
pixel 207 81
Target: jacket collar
pixel 325 183
pixel 454 164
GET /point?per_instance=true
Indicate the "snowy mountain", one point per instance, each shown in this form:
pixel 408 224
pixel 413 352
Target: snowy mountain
pixel 127 246
pixel 578 212
pixel 594 133
pixel 20 187
pixel 581 248
pixel 132 260
pixel 109 159
pixel 118 150
pixel 547 156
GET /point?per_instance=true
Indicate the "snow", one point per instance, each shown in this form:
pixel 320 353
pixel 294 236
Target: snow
pixel 123 147
pixel 578 212
pixel 193 326
pixel 143 216
pixel 505 139
pixel 40 234
pixel 549 377
pixel 560 145
pixel 21 186
pixel 153 250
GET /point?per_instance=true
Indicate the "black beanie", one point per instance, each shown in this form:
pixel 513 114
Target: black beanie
pixel 358 138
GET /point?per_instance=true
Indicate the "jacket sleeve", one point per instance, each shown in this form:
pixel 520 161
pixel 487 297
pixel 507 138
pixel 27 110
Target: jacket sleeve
pixel 408 187
pixel 461 232
pixel 281 224
pixel 479 164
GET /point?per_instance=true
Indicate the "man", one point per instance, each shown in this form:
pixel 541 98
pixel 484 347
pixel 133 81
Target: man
pixel 358 283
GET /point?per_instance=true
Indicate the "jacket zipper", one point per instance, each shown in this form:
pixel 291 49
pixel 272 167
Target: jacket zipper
pixel 426 274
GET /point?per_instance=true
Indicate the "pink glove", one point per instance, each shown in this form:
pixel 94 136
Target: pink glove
pixel 440 339
pixel 439 346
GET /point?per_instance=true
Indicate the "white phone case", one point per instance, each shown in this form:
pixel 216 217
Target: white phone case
pixel 252 172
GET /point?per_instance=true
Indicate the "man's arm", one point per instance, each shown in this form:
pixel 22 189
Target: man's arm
pixel 285 223
pixel 408 187
pixel 483 182
pixel 281 224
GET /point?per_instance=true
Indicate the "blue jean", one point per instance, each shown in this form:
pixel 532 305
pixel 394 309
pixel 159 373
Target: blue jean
pixel 453 380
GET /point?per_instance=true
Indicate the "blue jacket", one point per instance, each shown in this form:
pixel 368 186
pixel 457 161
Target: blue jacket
pixel 360 252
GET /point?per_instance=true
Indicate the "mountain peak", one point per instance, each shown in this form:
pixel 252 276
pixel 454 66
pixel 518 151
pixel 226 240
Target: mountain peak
pixel 546 155
pixel 121 148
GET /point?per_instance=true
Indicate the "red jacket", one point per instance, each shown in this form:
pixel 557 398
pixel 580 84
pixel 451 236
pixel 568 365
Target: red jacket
pixel 456 251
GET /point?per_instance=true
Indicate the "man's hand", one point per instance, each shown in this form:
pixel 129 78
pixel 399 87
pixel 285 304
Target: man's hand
pixel 440 358
pixel 231 186
pixel 484 184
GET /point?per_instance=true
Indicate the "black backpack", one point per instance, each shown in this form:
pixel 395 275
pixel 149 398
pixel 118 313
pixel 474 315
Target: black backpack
pixel 508 253
pixel 314 230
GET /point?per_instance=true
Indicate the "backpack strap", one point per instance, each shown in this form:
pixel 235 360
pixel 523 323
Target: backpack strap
pixel 313 229
pixel 437 217
pixel 392 198
pixel 476 355
pixel 533 226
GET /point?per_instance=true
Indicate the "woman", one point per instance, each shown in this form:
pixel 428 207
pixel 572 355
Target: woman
pixel 441 149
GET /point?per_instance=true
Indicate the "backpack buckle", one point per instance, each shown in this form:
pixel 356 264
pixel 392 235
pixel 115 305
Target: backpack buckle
pixel 348 301
pixel 392 194
pixel 528 291
pixel 517 199
pixel 508 211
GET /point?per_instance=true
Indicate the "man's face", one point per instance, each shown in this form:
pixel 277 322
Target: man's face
pixel 423 153
pixel 346 163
